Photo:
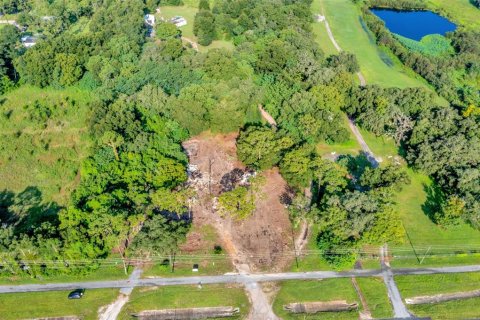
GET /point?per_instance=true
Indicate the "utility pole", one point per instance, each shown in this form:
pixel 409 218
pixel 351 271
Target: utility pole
pixel 411 244
pixel 294 245
pixel 173 263
pixel 210 175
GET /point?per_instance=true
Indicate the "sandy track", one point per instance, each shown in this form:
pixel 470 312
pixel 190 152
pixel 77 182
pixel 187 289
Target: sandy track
pixel 112 311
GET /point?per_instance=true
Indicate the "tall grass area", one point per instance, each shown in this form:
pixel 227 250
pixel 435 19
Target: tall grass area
pixel 346 24
pixel 176 297
pixel 315 290
pixel 432 45
pixel 411 286
pixel 459 11
pixel 30 305
pixel 43 140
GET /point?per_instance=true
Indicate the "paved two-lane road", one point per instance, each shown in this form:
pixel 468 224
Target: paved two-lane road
pixel 232 278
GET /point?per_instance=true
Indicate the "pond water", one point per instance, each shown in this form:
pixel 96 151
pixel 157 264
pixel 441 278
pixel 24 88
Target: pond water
pixel 414 24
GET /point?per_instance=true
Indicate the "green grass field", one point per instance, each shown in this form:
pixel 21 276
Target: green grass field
pixel 320 31
pixel 41 152
pixel 462 12
pixel 315 290
pixel 422 232
pixel 186 297
pixel 15 306
pixel 188 12
pixel 376 296
pixel 377 67
pixel 411 286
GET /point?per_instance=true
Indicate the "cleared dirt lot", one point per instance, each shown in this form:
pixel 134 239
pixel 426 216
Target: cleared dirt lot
pixel 261 241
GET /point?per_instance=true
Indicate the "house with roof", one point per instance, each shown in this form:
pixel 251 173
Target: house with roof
pixel 179 21
pixel 28 41
pixel 150 20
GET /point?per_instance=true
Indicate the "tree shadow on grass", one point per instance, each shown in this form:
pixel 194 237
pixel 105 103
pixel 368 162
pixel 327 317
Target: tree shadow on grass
pixel 433 204
pixel 26 210
pixel 475 3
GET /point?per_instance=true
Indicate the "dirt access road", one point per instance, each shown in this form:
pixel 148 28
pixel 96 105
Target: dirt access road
pixel 112 311
pixel 351 122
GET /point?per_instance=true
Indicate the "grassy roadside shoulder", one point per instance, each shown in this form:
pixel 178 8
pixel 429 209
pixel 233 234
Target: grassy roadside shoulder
pixel 315 290
pixel 173 297
pixel 54 304
pixel 411 286
pixel 201 248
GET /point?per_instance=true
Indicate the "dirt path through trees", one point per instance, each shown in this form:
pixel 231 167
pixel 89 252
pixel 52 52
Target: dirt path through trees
pixel 370 155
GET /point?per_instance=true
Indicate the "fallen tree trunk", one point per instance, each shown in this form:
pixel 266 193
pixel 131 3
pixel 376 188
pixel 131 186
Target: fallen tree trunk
pixel 188 313
pixel 443 297
pixel 314 307
pixel 59 318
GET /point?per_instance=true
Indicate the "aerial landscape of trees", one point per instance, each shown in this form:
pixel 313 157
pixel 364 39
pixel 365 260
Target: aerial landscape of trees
pixel 147 95
pixel 440 140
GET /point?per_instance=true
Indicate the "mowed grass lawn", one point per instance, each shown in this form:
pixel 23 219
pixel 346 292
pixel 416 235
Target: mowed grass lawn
pixel 176 297
pixel 320 31
pixel 41 152
pixel 459 11
pixel 188 12
pixel 376 296
pixel 315 290
pixel 344 20
pixel 14 306
pixel 411 286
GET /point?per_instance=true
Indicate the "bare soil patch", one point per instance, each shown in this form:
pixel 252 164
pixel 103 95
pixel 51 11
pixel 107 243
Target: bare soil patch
pixel 261 241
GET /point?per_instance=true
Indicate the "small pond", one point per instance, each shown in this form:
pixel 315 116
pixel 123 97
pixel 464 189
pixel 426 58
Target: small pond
pixel 414 24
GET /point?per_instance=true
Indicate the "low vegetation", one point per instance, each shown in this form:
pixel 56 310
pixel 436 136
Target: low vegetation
pixel 431 45
pixel 376 297
pixel 315 290
pixel 411 286
pixel 54 304
pixel 176 297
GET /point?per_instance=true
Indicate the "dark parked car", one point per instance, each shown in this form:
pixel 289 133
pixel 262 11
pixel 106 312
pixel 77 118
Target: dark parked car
pixel 76 294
